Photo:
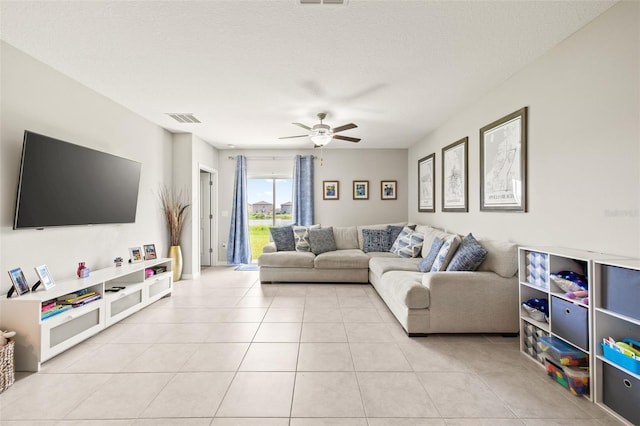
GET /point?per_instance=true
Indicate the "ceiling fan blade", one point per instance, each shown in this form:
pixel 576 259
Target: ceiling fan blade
pixel 345 127
pixel 346 138
pixel 289 137
pixel 302 125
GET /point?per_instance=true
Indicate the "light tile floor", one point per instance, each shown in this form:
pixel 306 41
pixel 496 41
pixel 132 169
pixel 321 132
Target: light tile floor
pixel 224 350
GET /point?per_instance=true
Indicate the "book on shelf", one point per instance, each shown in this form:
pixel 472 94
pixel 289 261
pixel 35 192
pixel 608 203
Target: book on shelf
pixel 58 309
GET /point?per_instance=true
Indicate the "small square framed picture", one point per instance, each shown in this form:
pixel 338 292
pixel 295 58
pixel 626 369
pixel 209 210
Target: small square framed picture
pixel 150 252
pixel 44 276
pixel 389 190
pixel 135 254
pixel 19 282
pixel 360 189
pixel 330 190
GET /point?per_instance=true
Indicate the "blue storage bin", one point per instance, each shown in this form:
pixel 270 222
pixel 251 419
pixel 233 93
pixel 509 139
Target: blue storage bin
pixel 621 359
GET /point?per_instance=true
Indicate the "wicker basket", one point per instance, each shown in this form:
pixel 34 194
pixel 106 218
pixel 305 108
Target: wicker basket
pixel 6 365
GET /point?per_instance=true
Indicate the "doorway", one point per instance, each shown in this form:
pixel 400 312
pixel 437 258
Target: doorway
pixel 207 219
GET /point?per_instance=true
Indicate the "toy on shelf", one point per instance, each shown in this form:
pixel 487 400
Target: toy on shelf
pixel 580 294
pixel 83 271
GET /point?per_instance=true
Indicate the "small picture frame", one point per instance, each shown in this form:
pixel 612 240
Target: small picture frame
pixel 135 254
pixel 360 189
pixel 19 282
pixel 389 190
pixel 44 276
pixel 150 252
pixel 330 190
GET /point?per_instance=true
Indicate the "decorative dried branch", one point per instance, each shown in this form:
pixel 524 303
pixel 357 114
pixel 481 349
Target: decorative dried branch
pixel 174 206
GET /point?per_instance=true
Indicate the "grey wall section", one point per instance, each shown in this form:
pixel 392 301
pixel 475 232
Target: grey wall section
pixel 38 98
pixel 584 179
pixel 343 165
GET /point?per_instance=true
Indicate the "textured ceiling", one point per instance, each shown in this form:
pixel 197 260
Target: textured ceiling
pixel 247 69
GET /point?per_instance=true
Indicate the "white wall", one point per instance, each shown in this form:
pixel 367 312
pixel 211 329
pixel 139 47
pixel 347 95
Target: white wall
pixel 36 97
pixel 344 165
pixel 583 154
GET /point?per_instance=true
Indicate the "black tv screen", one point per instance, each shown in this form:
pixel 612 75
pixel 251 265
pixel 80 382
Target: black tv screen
pixel 66 184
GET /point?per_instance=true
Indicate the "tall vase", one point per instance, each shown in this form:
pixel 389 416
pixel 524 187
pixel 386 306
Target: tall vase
pixel 175 253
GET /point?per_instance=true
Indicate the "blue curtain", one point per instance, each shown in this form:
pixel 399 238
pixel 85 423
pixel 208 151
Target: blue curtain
pixel 238 249
pixel 303 190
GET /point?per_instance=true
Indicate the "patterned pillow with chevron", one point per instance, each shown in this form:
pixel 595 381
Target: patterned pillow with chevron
pixel 408 244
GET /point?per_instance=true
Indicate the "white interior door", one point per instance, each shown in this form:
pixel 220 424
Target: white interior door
pixel 206 218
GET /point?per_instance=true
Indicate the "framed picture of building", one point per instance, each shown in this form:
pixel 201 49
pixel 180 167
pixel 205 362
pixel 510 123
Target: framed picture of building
pixel 427 183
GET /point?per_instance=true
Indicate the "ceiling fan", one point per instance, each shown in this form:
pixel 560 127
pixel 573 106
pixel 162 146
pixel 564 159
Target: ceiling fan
pixel 321 134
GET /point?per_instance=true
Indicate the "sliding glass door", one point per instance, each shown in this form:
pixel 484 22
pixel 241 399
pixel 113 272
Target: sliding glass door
pixel 269 204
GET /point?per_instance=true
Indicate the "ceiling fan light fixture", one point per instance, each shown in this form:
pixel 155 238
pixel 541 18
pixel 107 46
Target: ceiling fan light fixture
pixel 321 137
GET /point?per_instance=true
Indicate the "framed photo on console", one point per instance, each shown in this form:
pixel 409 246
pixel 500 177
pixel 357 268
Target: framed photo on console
pixel 150 252
pixel 19 282
pixel 44 276
pixel 135 254
pixel 503 163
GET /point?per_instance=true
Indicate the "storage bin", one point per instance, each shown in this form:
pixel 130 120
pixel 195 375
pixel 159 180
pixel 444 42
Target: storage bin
pixel 562 352
pixel 7 366
pixel 573 378
pixel 622 360
pixel 538 269
pixel 570 321
pixel 530 341
pixel 621 290
pixel 621 393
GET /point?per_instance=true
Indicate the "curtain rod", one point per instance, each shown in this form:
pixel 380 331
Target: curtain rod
pixel 233 157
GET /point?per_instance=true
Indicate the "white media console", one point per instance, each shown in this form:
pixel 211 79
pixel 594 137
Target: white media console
pixel 38 340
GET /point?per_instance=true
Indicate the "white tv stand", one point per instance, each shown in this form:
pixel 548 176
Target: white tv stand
pixel 38 340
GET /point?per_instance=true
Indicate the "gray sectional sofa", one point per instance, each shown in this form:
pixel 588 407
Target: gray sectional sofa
pixel 484 300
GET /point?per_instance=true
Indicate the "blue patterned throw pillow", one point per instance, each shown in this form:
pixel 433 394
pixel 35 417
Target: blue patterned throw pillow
pixel 408 243
pixel 427 262
pixel 445 253
pixel 282 236
pixel 394 231
pixel 469 255
pixel 321 240
pixel 375 240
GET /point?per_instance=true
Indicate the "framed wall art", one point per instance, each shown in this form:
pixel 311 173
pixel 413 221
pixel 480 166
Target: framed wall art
pixel 503 164
pixel 427 183
pixel 19 282
pixel 389 190
pixel 330 190
pixel 360 189
pixel 455 179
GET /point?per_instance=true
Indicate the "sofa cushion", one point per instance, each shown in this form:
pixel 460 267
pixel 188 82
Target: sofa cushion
pixel 342 259
pixel 321 240
pixel 346 237
pixel 375 240
pixel 394 231
pixel 408 243
pixel 406 288
pixel 427 262
pixel 430 234
pixel 287 259
pixel 282 236
pixel 469 255
pixel 445 254
pixel 383 264
pixel 301 237
pixel 502 258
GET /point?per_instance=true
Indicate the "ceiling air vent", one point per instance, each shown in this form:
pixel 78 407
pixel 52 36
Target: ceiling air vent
pixel 183 117
pixel 323 1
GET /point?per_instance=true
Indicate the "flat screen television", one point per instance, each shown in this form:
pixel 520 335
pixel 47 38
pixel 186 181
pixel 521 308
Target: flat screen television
pixel 64 184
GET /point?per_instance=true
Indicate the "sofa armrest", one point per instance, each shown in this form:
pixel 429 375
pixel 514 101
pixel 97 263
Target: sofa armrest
pixel 472 301
pixel 270 248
